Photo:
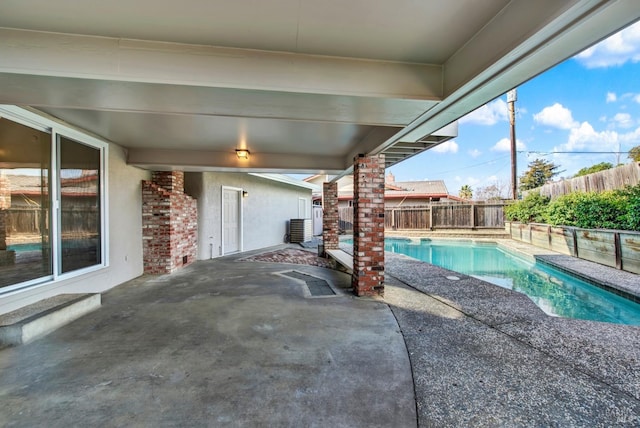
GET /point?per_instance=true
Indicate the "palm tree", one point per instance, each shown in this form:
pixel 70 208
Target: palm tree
pixel 466 192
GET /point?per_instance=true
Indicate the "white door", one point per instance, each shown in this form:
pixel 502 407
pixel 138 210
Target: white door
pixel 303 210
pixel 231 222
pixel 317 220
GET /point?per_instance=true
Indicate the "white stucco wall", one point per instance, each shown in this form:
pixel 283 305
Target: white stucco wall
pixel 125 239
pixel 266 210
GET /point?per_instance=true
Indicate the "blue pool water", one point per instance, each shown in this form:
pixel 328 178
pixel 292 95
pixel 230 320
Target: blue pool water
pixel 553 291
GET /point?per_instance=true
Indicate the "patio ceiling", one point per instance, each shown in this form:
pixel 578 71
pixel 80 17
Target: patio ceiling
pixel 304 85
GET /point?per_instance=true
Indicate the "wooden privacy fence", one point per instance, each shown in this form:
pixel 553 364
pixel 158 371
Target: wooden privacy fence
pixel 436 216
pixel 35 220
pixel 610 179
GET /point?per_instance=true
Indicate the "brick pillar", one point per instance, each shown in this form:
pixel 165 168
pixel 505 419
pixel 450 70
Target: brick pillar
pixel 171 181
pixel 169 223
pixel 5 204
pixel 368 225
pixel 330 216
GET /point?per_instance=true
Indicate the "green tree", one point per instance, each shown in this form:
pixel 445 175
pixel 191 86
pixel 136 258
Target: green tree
pixel 602 166
pixel 466 192
pixel 531 209
pixel 634 154
pixel 540 171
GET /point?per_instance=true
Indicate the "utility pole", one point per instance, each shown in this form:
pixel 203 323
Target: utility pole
pixel 511 99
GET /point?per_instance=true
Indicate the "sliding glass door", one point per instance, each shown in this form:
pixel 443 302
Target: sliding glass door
pixel 79 180
pixel 51 203
pixel 25 240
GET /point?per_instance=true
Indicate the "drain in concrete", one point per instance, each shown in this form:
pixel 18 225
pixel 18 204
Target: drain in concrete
pixel 316 286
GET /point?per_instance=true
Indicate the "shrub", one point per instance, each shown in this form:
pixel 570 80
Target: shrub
pixel 617 209
pixel 606 210
pixel 531 209
pixel 632 216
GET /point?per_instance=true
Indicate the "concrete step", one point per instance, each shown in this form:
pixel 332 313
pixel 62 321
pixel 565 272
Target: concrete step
pixel 343 259
pixel 41 318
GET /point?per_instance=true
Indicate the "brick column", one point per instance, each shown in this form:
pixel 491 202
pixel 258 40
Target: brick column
pixel 5 204
pixel 171 181
pixel 368 225
pixel 169 223
pixel 330 216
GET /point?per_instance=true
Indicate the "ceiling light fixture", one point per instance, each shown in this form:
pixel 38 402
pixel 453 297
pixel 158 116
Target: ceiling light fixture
pixel 242 153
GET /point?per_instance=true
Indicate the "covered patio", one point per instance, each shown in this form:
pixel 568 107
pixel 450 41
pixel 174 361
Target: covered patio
pixel 292 86
pixel 239 342
pixel 145 111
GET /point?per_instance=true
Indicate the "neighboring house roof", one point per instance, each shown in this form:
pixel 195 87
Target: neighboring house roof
pixel 426 189
pixel 31 185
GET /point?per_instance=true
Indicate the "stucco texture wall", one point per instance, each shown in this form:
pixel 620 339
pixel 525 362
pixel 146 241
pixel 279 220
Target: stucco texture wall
pixel 266 210
pixel 124 240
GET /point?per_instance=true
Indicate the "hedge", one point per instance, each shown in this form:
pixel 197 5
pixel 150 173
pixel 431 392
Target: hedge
pixel 617 209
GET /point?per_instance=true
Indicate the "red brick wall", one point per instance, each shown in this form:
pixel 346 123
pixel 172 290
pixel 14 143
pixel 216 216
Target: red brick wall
pixel 169 223
pixel 368 225
pixel 330 216
pixel 172 181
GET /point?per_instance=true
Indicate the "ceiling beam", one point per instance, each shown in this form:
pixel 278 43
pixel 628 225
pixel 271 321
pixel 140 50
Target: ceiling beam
pixel 104 58
pixel 103 95
pixel 201 160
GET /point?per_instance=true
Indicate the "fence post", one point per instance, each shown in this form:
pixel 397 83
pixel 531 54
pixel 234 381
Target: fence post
pixel 431 217
pixel 394 226
pixel 473 216
pixel 618 250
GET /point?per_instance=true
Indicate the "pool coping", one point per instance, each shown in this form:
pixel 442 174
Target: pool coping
pixel 622 283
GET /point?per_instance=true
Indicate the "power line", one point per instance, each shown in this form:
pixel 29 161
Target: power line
pixel 577 153
pixel 494 160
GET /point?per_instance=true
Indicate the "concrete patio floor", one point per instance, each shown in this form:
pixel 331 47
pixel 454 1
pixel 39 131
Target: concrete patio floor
pixel 230 342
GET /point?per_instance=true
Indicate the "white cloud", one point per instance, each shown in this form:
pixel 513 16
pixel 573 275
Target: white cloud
pixel 504 145
pixel 556 116
pixel 471 181
pixel 618 49
pixel 631 139
pixel 611 97
pixel 623 120
pixel 474 153
pixel 489 114
pixel 585 138
pixel 449 146
pixel 637 98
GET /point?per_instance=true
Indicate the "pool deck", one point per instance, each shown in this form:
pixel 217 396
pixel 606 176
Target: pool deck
pixel 486 356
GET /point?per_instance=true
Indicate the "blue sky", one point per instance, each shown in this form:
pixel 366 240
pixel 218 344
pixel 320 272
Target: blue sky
pixel 589 103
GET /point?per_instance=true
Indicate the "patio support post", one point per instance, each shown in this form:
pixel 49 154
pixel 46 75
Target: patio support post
pixel 330 216
pixel 368 225
pixel 5 204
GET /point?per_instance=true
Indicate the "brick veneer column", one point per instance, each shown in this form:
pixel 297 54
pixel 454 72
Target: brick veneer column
pixel 169 223
pixel 172 181
pixel 5 204
pixel 368 225
pixel 330 216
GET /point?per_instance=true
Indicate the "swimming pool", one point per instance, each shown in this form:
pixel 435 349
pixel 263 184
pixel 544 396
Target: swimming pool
pixel 555 292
